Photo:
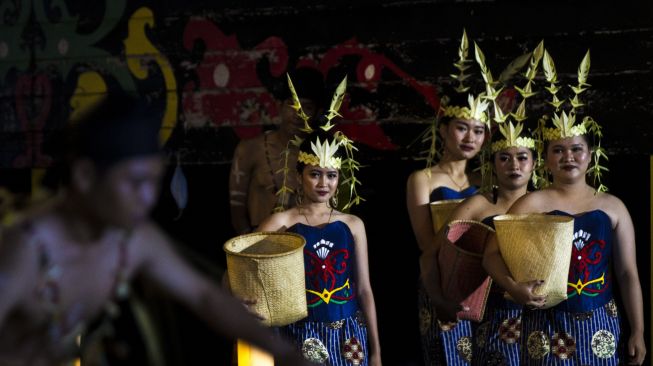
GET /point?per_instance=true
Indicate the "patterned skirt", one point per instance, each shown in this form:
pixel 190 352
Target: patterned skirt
pixel 555 337
pixel 339 343
pixel 443 345
pixel 497 338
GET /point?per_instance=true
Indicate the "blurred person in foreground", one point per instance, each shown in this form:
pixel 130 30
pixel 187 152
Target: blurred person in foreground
pixel 65 264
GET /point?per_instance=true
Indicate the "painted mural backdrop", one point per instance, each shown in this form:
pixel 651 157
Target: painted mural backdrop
pixel 57 57
pixel 50 71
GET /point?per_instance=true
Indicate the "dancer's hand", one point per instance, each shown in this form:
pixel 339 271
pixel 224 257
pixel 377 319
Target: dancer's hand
pixel 636 349
pixel 446 311
pixel 249 304
pixel 524 293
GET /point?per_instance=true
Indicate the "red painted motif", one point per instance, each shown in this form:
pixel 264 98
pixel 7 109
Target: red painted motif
pixel 229 91
pixel 363 125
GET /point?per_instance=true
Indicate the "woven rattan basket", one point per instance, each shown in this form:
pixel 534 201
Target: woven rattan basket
pixel 441 210
pixel 537 246
pixel 462 276
pixel 269 267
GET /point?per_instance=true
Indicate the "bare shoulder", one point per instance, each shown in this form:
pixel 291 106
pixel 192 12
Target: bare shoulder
pixel 538 201
pixel 471 208
pixel 612 206
pixel 37 221
pixel 354 222
pixel 247 148
pixel 421 182
pixel 609 200
pixel 279 221
pixel 151 232
pixel 19 256
pixel 418 178
pixel 147 239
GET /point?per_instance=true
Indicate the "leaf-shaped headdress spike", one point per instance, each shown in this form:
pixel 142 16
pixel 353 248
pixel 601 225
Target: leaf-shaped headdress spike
pixel 490 92
pixel 527 91
pixel 476 107
pixel 583 72
pixel 323 151
pixel 509 130
pixel 336 102
pixel 285 190
pixel 552 78
pixel 462 64
pixel 565 124
pixel 297 106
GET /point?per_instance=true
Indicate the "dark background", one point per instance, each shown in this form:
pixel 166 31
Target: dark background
pixel 220 64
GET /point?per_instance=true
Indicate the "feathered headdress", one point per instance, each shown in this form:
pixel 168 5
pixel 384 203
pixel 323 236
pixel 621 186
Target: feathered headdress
pixel 323 152
pixel 567 124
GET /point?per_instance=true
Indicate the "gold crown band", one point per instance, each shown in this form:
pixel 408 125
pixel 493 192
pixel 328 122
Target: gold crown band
pixel 554 133
pixel 311 159
pixel 462 113
pixel 526 142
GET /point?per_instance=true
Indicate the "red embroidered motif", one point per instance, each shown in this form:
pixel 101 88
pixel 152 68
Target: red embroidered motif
pixel 580 267
pixel 326 269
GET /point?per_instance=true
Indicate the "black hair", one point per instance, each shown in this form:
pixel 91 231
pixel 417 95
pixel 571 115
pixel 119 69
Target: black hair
pixel 449 98
pixel 118 127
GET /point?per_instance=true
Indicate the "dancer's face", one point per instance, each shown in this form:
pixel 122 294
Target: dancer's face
pixel 319 184
pixel 513 167
pixel 568 158
pixel 125 193
pixel 463 138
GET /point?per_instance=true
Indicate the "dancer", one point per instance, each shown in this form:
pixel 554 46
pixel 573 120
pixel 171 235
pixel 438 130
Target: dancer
pixel 65 264
pixel 462 128
pixel 584 329
pixel 341 326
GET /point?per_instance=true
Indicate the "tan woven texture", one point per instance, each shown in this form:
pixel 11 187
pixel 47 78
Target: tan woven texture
pixel 441 210
pixel 537 246
pixel 269 267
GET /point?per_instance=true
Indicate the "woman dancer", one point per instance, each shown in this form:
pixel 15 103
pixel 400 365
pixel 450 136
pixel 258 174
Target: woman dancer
pixel 584 329
pixel 341 326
